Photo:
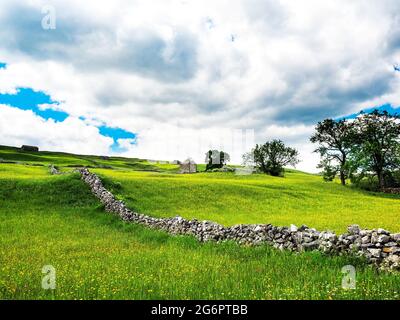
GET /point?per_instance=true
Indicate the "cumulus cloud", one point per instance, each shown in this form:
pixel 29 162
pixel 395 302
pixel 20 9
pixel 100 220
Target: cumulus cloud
pixel 20 127
pixel 185 69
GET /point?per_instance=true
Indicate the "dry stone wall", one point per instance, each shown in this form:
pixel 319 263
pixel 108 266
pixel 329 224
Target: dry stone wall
pixel 378 246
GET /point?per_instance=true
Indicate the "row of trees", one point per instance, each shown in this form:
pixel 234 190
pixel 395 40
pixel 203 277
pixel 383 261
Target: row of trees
pixel 270 158
pixel 367 146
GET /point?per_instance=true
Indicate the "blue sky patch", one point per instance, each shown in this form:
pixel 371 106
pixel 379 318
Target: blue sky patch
pixel 116 133
pixel 28 99
pixel 386 107
pixel 117 148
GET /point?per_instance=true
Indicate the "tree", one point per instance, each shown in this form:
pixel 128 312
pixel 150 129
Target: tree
pixel 248 159
pixel 335 140
pixel 377 144
pixel 329 171
pixel 272 156
pixel 216 159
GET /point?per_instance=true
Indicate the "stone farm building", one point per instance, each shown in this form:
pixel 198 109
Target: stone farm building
pixel 188 166
pixel 29 148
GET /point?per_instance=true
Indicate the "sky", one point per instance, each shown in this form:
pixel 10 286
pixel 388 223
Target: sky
pixel 166 79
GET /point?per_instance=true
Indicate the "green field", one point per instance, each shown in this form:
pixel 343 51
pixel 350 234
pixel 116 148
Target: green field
pixel 230 199
pixel 54 220
pixel 68 161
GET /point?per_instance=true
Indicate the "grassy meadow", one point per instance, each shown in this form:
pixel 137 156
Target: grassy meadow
pixel 67 161
pixel 230 199
pixel 54 220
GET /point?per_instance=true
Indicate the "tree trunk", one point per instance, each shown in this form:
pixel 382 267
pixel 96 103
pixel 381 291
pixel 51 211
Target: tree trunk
pixel 342 178
pixel 381 179
pixel 342 169
pixel 263 167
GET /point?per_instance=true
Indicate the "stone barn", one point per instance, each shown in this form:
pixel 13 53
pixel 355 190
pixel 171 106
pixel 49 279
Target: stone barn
pixel 188 166
pixel 29 148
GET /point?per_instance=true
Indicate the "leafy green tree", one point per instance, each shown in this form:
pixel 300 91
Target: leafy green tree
pixel 329 171
pixel 216 159
pixel 272 156
pixel 377 143
pixel 248 159
pixel 335 140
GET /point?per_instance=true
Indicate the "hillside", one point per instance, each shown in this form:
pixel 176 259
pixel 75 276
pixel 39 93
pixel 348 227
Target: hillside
pixel 66 161
pixel 227 198
pixel 230 199
pixel 54 219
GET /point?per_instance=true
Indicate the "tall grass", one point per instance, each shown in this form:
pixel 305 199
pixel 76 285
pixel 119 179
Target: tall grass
pixel 229 199
pixel 54 220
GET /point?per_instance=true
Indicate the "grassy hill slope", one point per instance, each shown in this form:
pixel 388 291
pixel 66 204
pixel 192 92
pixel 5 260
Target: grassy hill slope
pixel 230 199
pixel 67 161
pixel 54 220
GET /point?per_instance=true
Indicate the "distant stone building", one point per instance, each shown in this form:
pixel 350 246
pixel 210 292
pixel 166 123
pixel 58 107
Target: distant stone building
pixel 175 162
pixel 188 166
pixel 30 148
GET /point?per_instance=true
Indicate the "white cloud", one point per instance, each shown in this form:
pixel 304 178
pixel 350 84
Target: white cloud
pixel 18 127
pixel 161 68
